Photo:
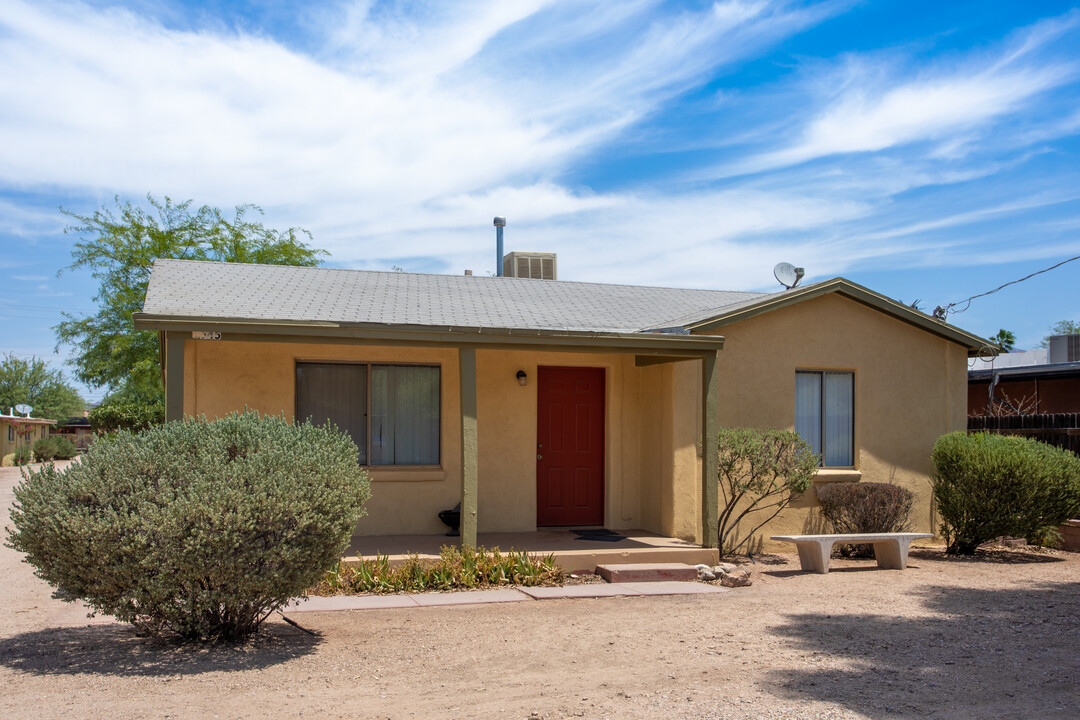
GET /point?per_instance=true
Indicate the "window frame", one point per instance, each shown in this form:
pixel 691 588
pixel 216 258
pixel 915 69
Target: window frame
pixel 821 373
pixel 369 364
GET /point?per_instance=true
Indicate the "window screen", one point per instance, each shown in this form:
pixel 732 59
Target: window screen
pixel 404 415
pixel 335 393
pixel 392 412
pixel 825 415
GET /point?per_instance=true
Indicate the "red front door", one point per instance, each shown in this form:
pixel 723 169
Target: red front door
pixel 570 446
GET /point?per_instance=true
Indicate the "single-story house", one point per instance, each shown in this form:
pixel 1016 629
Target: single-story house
pixel 18 431
pixel 541 403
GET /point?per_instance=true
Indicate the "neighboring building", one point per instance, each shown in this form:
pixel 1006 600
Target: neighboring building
pixel 549 403
pixel 17 431
pixel 76 429
pixel 1025 390
pixel 1035 382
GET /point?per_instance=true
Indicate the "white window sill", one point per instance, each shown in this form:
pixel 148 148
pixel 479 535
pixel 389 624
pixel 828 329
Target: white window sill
pixel 415 473
pixel 829 475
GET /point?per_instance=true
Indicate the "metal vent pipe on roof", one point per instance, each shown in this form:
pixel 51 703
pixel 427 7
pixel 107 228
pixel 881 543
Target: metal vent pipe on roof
pixel 500 223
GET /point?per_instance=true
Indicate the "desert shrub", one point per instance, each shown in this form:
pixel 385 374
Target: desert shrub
pixel 21 456
pixel 202 528
pixel 760 472
pixel 987 486
pixel 456 569
pixel 129 415
pixel 44 449
pixel 54 448
pixel 65 449
pixel 865 508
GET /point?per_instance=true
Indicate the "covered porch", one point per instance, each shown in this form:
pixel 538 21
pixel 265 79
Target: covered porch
pixel 654 446
pixel 574 549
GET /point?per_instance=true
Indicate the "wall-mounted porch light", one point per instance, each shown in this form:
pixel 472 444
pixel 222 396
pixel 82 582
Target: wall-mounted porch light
pixel 522 378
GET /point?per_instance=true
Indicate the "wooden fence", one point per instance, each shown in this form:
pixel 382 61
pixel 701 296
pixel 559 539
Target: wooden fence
pixel 1058 429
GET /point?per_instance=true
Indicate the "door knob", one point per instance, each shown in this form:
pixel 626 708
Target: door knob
pixel 539 457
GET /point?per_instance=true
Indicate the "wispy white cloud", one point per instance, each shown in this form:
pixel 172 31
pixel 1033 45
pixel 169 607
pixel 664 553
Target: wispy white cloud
pixel 868 104
pixel 418 42
pixel 27 222
pixel 973 216
pixel 109 99
pixel 409 125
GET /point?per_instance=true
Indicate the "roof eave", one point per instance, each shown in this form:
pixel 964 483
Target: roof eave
pixel 422 334
pixel 854 291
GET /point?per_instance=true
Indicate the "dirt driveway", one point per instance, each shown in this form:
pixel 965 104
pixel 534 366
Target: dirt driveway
pixel 995 638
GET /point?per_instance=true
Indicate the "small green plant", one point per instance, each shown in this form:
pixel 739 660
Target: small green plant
pixel 202 528
pixel 21 456
pixel 455 569
pixel 865 507
pixel 760 472
pixel 988 486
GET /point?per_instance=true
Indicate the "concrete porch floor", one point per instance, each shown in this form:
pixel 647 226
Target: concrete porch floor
pixel 572 553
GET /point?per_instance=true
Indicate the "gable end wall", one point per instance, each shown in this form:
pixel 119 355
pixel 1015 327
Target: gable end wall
pixel 910 388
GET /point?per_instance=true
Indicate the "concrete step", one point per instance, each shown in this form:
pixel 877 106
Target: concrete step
pixel 646 572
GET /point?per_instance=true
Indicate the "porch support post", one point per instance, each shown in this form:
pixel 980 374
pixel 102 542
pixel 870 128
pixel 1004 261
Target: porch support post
pixel 710 504
pixel 469 453
pixel 174 375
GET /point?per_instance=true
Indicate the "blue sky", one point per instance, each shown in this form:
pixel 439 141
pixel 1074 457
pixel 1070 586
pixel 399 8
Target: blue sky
pixel 928 150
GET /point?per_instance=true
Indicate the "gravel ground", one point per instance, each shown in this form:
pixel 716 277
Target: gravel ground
pixel 995 637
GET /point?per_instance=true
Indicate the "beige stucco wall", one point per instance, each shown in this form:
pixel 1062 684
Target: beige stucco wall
pixel 223 376
pixel 8 447
pixel 910 388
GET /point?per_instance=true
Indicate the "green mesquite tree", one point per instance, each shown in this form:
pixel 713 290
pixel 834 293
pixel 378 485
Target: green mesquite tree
pixel 118 247
pixel 32 382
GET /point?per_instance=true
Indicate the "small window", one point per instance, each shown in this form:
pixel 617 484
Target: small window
pixel 392 412
pixel 11 433
pixel 824 415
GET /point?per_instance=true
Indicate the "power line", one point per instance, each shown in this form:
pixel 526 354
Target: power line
pixel 942 313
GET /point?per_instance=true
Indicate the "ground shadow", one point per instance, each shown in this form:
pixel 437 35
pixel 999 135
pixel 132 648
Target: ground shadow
pixel 116 650
pixel 864 566
pixel 995 653
pixel 755 558
pixel 1007 556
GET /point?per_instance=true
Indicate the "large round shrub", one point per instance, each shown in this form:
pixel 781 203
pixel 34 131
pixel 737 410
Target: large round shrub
pixel 988 486
pixel 203 528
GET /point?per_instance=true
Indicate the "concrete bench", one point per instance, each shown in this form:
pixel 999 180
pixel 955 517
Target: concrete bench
pixel 890 549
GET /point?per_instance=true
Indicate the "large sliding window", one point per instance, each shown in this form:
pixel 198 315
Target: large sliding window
pixel 825 414
pixel 390 411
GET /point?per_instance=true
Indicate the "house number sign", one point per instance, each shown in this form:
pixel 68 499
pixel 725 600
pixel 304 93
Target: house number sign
pixel 206 335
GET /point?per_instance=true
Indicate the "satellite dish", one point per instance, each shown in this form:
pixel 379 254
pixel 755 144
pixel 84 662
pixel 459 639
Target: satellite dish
pixel 23 408
pixel 788 275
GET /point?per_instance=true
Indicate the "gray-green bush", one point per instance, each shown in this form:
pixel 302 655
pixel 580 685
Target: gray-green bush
pixel 202 528
pixel 760 471
pixel 54 447
pixel 988 486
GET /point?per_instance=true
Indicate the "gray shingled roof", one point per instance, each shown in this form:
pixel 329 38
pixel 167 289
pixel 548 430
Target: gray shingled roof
pixel 214 290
